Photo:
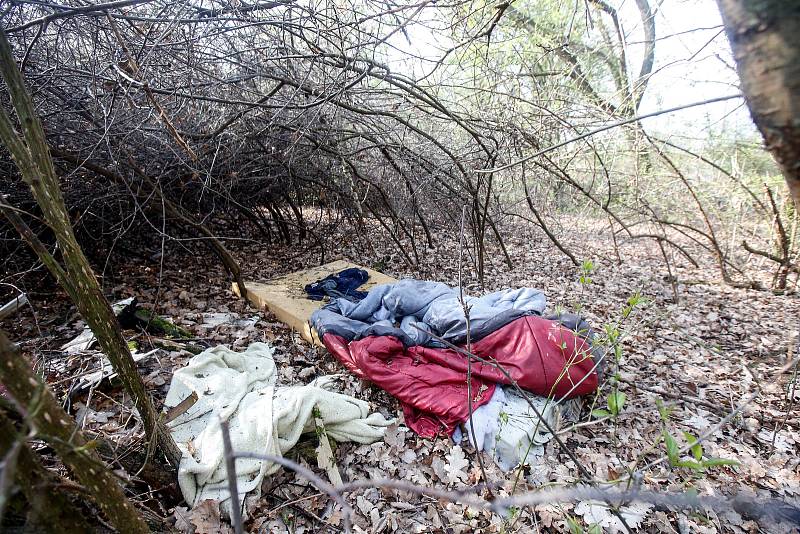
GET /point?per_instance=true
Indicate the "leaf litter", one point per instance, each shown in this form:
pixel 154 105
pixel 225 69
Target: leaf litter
pixel 699 357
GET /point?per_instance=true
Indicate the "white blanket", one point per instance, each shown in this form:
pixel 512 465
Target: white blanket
pixel 507 428
pixel 239 387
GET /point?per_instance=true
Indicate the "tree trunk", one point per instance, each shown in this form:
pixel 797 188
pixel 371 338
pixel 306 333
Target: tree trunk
pixel 49 510
pixel 31 155
pixel 765 39
pixel 49 422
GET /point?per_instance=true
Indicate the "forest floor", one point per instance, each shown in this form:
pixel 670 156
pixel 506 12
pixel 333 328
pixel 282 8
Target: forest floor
pixel 722 361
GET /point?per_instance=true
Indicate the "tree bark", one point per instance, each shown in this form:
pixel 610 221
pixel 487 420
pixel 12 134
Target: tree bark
pixel 765 39
pixel 649 28
pixel 49 510
pixel 31 155
pixel 50 423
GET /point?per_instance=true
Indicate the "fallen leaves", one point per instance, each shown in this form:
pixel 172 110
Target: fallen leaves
pixel 456 466
pixel 717 344
pixel 202 519
pixel 599 513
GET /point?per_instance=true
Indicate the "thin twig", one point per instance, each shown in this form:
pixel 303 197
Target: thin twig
pixel 230 472
pixel 607 127
pixel 772 509
pixel 465 308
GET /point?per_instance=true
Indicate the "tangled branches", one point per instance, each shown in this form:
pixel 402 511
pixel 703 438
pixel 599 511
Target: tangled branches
pixel 199 119
pixel 261 111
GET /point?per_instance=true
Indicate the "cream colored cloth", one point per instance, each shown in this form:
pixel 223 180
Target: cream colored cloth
pixel 239 387
pixel 509 429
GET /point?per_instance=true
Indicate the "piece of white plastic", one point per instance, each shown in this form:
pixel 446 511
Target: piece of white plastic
pixel 10 307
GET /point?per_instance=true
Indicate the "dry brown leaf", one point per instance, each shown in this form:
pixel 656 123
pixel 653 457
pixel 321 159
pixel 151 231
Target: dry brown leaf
pixel 207 520
pixel 182 518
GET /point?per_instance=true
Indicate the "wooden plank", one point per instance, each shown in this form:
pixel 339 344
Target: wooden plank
pixel 286 298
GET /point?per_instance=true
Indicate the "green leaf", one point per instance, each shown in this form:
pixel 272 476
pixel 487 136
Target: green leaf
pixel 616 400
pixel 635 299
pixel 594 528
pixel 663 411
pixel 696 448
pixel 574 526
pixel 612 332
pixel 672 448
pixel 587 267
pixel 600 413
pixel 691 464
pixel 716 462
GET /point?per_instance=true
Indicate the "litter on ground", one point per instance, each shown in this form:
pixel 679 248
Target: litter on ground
pixel 288 300
pixel 240 388
pixel 411 338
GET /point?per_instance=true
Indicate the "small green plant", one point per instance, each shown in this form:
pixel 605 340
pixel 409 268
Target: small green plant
pixel 634 301
pixel 576 528
pixel 503 418
pixel 512 513
pixel 696 463
pixel 615 402
pixel 587 267
pixel 612 339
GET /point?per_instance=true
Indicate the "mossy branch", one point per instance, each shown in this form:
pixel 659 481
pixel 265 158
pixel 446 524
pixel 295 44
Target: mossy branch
pixel 48 421
pixel 31 154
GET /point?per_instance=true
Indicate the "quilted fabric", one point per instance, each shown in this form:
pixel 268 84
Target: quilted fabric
pixel 540 355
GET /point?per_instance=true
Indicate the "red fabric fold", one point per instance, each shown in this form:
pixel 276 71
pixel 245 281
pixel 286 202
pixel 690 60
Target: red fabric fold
pixel 540 355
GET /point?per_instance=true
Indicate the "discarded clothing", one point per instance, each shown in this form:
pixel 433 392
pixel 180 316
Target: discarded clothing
pixel 540 355
pixel 342 285
pixel 409 309
pixel 508 429
pixel 239 387
pixel 433 397
pixel 398 338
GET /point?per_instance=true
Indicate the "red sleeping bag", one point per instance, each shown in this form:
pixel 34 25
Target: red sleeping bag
pixel 540 355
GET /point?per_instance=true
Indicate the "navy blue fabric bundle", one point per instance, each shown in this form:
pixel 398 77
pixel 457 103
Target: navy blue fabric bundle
pixel 342 285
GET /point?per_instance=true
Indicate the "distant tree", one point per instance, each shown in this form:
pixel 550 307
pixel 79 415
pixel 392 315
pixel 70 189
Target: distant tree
pixel 591 54
pixel 765 38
